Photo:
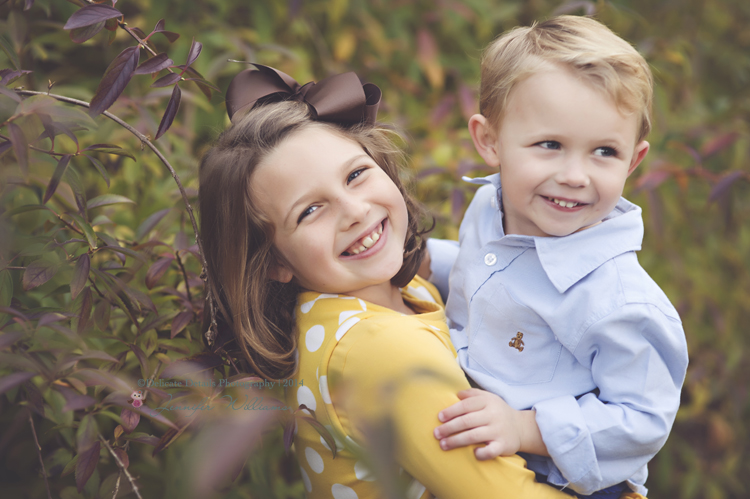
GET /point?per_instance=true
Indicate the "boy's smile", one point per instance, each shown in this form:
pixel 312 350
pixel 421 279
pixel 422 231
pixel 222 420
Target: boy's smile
pixel 340 222
pixel 564 150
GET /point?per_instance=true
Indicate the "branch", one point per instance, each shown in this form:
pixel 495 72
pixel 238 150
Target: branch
pixel 184 274
pixel 122 466
pixel 39 452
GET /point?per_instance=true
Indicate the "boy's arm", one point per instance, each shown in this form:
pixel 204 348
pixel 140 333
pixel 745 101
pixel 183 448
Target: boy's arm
pixel 638 358
pixel 441 254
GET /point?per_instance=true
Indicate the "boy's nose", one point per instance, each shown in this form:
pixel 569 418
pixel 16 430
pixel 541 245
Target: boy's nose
pixel 573 173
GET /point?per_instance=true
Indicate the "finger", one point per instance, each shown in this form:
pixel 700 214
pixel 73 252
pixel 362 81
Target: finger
pixel 460 424
pixel 471 392
pixel 471 404
pixel 470 437
pixel 489 451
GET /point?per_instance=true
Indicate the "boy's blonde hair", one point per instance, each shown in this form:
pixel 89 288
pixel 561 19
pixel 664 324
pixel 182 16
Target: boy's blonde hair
pixel 581 44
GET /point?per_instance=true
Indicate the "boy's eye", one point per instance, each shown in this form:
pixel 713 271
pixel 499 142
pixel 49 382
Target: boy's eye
pixel 353 175
pixel 308 211
pixel 605 151
pixel 549 144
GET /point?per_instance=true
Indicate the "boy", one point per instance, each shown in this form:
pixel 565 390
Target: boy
pixel 548 306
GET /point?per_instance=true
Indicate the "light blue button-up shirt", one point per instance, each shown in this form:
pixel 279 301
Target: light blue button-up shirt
pixel 574 328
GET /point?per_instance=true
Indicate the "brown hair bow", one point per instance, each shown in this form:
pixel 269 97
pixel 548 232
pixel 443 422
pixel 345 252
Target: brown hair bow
pixel 339 99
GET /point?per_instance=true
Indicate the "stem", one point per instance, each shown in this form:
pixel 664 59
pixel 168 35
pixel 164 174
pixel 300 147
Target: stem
pixel 39 452
pixel 122 466
pixel 184 274
pixel 163 159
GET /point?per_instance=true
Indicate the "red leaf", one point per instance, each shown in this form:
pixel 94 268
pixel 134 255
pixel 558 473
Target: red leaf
pixel 170 113
pixel 467 100
pixel 20 145
pixel 80 35
pixel 722 186
pixel 195 51
pixel 716 144
pixel 115 79
pixel 86 464
pixel 37 273
pixel 180 321
pixel 62 165
pixel 91 14
pixel 80 275
pixel 159 28
pixel 167 80
pixel 129 420
pixel 157 270
pixel 123 457
pixel 289 433
pixel 155 64
pixel 14 379
pixel 651 180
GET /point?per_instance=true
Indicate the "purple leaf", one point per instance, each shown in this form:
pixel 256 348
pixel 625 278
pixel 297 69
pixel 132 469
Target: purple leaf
pixel 20 145
pixel 7 339
pixel 171 35
pixel 130 420
pixel 86 464
pixel 141 356
pixel 167 80
pixel 160 25
pixel 148 224
pixel 204 86
pixel 154 65
pixel 100 167
pixel 115 79
pixel 80 35
pixel 80 275
pixel 289 433
pixel 28 4
pixel 37 273
pixel 101 314
pixel 74 400
pixel 722 186
pixel 124 459
pixel 10 93
pixel 157 269
pixel 62 165
pixel 172 107
pixel 5 146
pixel 13 380
pixel 91 14
pixel 84 314
pixel 142 438
pixel 180 321
pixel 8 76
pixel 195 51
pixel 53 128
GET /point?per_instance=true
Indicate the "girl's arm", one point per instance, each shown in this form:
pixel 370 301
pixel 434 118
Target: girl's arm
pixel 406 376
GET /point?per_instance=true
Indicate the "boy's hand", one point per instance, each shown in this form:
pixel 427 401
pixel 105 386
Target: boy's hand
pixel 483 417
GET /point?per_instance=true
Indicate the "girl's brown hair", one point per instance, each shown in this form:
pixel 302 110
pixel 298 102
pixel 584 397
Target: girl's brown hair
pixel 238 239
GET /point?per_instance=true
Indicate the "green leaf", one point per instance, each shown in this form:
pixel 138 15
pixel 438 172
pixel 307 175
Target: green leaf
pixel 37 273
pixel 88 231
pixel 62 165
pixel 100 167
pixel 10 52
pixel 106 200
pixel 80 275
pixel 114 150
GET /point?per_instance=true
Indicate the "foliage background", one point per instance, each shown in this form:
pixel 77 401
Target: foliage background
pixel 424 55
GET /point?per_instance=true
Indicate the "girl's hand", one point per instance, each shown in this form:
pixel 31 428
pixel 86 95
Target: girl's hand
pixel 483 417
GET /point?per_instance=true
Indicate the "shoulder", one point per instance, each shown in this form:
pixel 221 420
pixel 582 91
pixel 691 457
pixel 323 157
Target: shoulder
pixel 639 288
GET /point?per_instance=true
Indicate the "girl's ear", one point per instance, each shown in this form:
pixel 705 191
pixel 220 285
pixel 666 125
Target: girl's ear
pixel 485 139
pixel 279 272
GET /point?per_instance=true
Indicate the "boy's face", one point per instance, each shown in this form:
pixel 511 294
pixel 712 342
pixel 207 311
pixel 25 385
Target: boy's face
pixel 564 151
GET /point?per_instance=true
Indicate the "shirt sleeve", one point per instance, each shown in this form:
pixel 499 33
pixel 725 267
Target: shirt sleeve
pixel 443 253
pixel 406 377
pixel 638 358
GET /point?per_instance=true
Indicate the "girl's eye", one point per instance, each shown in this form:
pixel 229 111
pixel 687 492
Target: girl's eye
pixel 549 144
pixel 308 211
pixel 605 151
pixel 353 175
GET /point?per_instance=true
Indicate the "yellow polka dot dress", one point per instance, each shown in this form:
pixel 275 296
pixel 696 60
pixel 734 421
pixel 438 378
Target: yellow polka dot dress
pixel 359 362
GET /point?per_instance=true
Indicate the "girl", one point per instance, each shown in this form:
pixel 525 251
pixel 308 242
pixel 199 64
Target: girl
pixel 312 244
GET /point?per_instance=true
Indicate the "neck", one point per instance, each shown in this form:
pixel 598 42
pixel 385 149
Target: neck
pixel 386 295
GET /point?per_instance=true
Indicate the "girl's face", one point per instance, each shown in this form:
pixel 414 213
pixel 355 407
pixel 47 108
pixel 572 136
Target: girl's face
pixel 340 221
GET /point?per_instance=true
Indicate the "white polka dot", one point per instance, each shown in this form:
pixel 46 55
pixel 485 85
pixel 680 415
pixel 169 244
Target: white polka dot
pixel 362 304
pixel 343 328
pixel 343 492
pixel 422 293
pixel 415 490
pixel 305 396
pixel 354 445
pixel 314 337
pixel 306 307
pixel 323 386
pixel 317 376
pixel 362 472
pixel 306 480
pixel 346 314
pixel 314 460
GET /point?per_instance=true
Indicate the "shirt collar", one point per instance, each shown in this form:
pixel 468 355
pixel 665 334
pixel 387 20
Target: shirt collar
pixel 568 259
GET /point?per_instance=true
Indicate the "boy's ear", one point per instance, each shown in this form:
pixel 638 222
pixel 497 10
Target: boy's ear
pixel 280 272
pixel 485 139
pixel 641 149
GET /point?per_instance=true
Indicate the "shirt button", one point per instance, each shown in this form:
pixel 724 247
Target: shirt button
pixel 490 259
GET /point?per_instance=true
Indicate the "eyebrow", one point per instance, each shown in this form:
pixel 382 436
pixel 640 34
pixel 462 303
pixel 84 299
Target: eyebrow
pixel 302 199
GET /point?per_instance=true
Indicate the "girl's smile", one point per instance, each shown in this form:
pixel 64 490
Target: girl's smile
pixel 340 222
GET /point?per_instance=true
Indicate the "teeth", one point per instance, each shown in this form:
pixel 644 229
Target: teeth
pixel 564 204
pixel 368 241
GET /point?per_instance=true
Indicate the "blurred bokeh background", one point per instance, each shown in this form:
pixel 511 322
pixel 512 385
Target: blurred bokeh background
pixel 424 54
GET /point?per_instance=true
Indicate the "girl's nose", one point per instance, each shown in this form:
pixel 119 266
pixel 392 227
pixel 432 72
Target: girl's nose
pixel 354 210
